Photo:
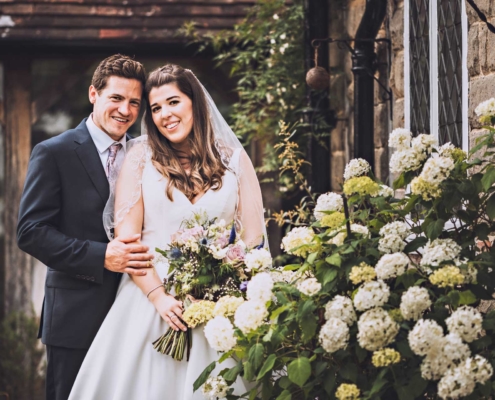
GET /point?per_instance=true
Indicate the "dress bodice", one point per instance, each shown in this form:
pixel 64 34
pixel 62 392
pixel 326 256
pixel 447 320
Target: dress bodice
pixel 163 217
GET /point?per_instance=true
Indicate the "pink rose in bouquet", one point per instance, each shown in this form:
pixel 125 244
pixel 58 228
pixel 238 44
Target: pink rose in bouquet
pixel 235 253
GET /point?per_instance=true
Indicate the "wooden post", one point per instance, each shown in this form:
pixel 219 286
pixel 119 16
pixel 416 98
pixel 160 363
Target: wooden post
pixel 16 265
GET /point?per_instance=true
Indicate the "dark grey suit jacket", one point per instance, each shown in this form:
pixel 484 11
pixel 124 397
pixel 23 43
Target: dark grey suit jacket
pixel 60 224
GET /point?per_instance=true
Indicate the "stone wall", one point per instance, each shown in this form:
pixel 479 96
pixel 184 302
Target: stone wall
pixel 481 61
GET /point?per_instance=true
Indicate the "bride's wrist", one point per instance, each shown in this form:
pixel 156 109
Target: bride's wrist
pixel 156 293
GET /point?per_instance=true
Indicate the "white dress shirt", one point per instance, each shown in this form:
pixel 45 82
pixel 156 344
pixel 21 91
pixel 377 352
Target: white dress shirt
pixel 103 141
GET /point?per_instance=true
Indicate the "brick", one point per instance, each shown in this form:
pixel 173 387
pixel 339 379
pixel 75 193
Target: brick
pixel 397 74
pixel 381 122
pixel 473 58
pixel 398 121
pixel 480 89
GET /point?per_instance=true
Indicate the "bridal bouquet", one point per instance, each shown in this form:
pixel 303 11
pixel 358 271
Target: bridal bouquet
pixel 207 261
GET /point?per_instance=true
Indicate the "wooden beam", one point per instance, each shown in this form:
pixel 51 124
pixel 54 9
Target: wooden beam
pixel 52 93
pixel 17 265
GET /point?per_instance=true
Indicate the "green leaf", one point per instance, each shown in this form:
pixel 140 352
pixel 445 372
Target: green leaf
pixel 275 313
pixel 334 259
pixel 248 371
pixel 490 207
pixel 399 182
pixel 329 275
pixel 415 244
pixel 299 371
pixel 488 178
pixel 434 229
pixel 232 373
pixel 377 385
pixel 267 366
pixel 225 356
pixel 329 383
pixel 311 258
pixel 285 395
pixel 256 355
pixel 349 372
pixel 204 376
pixel 454 297
pixel 467 297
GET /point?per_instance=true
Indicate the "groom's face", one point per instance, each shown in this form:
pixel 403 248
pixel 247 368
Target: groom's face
pixel 116 106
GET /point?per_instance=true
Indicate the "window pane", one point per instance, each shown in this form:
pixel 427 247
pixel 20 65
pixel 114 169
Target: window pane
pixel 419 48
pixel 450 71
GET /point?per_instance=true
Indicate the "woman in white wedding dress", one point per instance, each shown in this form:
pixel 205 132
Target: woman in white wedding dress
pixel 189 162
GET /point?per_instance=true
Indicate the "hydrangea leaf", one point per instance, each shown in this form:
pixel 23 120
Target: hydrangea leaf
pixel 299 371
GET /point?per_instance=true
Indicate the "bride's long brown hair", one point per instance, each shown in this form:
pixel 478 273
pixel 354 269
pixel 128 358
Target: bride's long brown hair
pixel 207 168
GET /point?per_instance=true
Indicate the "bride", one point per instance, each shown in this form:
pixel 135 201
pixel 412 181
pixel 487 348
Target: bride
pixel 190 161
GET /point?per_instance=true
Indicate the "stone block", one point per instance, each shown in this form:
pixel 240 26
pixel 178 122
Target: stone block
pixel 381 163
pixel 480 89
pixel 485 6
pixel 397 74
pixel 337 170
pixel 396 27
pixel 355 11
pixel 338 88
pixel 338 136
pixel 474 135
pixel 473 58
pixel 382 123
pixel 398 121
pixel 487 51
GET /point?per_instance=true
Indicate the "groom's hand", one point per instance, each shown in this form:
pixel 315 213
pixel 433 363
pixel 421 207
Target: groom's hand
pixel 127 255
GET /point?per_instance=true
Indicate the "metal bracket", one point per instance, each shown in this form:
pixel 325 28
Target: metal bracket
pixel 345 44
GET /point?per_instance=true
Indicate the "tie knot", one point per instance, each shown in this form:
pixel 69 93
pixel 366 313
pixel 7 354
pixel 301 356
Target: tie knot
pixel 114 148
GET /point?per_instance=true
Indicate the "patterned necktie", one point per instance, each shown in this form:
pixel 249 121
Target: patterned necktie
pixel 112 153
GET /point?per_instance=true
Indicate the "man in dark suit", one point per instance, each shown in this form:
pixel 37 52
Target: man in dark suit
pixel 60 221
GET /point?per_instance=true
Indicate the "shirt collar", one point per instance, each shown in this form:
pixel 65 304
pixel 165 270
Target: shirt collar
pixel 101 139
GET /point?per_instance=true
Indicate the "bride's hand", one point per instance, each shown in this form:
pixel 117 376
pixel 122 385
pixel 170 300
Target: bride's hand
pixel 170 309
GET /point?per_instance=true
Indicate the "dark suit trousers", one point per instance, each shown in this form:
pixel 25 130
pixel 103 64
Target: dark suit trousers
pixel 62 369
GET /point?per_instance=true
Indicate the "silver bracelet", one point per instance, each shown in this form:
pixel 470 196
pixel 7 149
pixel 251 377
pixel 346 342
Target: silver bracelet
pixel 159 286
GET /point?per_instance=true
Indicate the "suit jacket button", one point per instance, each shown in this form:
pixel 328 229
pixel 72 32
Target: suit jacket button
pixel 92 278
pixel 78 276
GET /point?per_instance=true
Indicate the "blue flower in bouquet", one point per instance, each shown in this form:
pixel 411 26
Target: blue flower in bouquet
pixel 175 253
pixel 243 286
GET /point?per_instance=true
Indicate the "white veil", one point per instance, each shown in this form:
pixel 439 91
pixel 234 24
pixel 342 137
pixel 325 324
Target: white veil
pixel 249 215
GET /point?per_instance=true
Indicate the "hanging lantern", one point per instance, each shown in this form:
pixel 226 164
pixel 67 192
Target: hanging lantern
pixel 317 78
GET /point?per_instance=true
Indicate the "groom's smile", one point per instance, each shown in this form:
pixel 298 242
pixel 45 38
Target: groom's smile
pixel 116 106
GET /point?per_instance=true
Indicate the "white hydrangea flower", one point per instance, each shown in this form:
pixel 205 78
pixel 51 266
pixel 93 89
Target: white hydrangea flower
pixel 338 239
pixel 391 265
pixel 455 383
pixel 309 286
pixel 466 322
pixel 400 139
pixel 297 237
pixel 258 259
pixel 341 307
pixel 334 335
pixel 454 349
pixel 328 202
pixel 219 332
pixel 385 191
pixel 434 366
pixel 250 315
pixel 226 306
pixel 425 335
pixel 439 250
pixel 260 287
pixel 424 143
pixel 485 108
pixel 281 275
pixel 414 302
pixel 437 169
pixel 391 244
pixel 376 329
pixel 360 229
pixel 371 294
pixel 215 388
pixel 479 368
pixel 446 150
pixel 356 167
pixel 398 228
pixel 406 160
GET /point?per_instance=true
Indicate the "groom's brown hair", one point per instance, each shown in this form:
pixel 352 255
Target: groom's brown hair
pixel 118 65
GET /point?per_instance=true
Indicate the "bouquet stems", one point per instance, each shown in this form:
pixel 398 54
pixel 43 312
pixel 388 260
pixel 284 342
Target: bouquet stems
pixel 174 343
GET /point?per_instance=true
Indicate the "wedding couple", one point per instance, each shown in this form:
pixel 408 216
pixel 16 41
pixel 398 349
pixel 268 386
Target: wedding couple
pixel 104 300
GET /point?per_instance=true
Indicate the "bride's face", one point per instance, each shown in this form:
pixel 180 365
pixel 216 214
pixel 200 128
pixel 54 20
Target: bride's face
pixel 172 112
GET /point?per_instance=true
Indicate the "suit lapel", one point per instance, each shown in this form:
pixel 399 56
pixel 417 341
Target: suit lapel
pixel 90 159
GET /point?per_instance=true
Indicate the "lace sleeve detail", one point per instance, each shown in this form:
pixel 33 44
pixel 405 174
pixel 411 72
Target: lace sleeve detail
pixel 125 189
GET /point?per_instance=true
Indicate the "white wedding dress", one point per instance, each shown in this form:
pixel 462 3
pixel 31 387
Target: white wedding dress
pixel 122 363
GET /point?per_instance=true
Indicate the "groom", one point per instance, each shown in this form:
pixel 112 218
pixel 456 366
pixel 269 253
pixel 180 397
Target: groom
pixel 60 221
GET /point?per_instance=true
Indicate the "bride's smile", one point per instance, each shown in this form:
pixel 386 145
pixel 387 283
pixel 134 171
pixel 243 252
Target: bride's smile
pixel 172 112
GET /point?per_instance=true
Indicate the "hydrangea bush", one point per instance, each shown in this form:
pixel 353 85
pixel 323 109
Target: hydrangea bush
pixel 382 303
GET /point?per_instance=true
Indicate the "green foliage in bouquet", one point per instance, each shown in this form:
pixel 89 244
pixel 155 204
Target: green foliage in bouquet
pixel 383 302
